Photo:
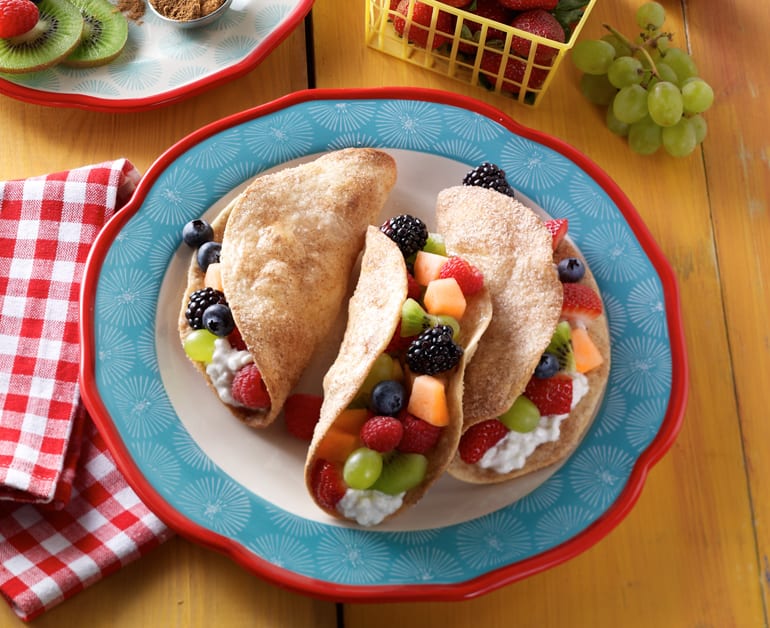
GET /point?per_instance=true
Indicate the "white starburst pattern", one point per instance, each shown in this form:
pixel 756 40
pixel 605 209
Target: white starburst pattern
pixel 559 524
pixel 353 140
pixel 642 366
pixel 424 565
pixel 126 296
pixel 142 406
pixel 132 242
pixel 492 540
pixel 280 137
pixel 598 474
pixel 542 498
pixel 532 166
pixel 216 503
pixel 292 525
pixel 647 308
pixel 342 117
pixel 409 124
pixel 643 422
pixel 164 246
pixel 285 552
pixel 614 254
pixel 611 415
pixel 146 352
pixel 461 150
pixel 161 464
pixel 352 557
pixel 234 174
pixel 188 450
pixel 558 207
pixel 590 198
pixel 414 537
pixel 115 354
pixel 178 194
pixel 474 127
pixel 616 315
pixel 215 153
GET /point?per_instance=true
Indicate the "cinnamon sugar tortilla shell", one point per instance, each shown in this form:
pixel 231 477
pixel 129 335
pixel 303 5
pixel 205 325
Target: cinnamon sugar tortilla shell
pixel 510 245
pixel 289 244
pixel 575 426
pixel 374 312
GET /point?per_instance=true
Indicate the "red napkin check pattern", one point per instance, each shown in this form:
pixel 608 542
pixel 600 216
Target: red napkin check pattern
pixel 67 516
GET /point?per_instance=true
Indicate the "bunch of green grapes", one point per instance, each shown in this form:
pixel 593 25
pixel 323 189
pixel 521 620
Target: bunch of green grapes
pixel 652 91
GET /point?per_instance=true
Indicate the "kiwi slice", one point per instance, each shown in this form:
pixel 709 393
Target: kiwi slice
pixel 56 34
pixel 104 36
pixel 561 346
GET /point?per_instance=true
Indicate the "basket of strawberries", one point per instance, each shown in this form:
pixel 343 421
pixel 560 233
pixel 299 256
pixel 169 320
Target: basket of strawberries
pixel 510 47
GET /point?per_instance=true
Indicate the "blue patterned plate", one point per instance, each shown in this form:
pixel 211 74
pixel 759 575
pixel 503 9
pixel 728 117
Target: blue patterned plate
pixel 162 63
pixel 241 490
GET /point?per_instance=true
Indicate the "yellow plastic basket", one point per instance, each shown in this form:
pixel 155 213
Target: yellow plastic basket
pixel 461 59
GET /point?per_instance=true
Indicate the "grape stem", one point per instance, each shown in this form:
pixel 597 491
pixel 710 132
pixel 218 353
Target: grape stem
pixel 634 48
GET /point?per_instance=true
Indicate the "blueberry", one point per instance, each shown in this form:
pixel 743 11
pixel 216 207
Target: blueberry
pixel 548 366
pixel 218 319
pixel 208 253
pixel 388 398
pixel 571 270
pixel 197 232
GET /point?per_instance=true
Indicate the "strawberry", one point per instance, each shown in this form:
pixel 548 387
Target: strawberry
pixel 248 388
pixel 17 17
pixel 479 438
pixel 543 24
pixel 327 484
pixel 491 10
pixel 418 30
pixel 398 343
pixel 581 304
pixel 414 290
pixel 457 3
pixel 236 340
pixel 301 413
pixel 419 436
pixel 382 433
pixel 468 277
pixel 557 227
pixel 514 72
pixel 552 395
pixel 526 5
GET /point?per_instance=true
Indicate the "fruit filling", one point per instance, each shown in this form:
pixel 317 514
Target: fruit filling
pixel 380 447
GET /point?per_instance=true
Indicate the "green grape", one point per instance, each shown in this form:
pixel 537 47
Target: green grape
pixel 621 47
pixel 615 125
pixel 664 102
pixel 362 468
pixel 681 63
pixel 199 345
pixel 650 15
pixel 697 95
pixel 597 89
pixel 701 128
pixel 625 71
pixel 679 140
pixel 435 244
pixel 593 56
pixel 644 136
pixel 522 416
pixel 665 73
pixel 630 104
pixel 381 370
pixel 401 472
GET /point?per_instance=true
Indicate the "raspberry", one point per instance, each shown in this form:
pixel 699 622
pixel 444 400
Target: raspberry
pixel 408 232
pixel 301 413
pixel 17 17
pixel 479 438
pixel 467 276
pixel 327 484
pixel 434 351
pixel 249 390
pixel 419 436
pixel 382 433
pixel 489 175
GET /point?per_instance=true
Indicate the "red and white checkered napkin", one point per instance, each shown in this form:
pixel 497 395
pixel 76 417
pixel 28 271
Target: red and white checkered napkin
pixel 67 516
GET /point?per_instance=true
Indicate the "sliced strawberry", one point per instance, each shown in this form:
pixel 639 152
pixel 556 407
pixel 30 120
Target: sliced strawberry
pixel 557 227
pixel 301 413
pixel 236 340
pixel 382 433
pixel 552 395
pixel 327 484
pixel 248 388
pixel 469 278
pixel 479 438
pixel 419 436
pixel 414 289
pixel 581 304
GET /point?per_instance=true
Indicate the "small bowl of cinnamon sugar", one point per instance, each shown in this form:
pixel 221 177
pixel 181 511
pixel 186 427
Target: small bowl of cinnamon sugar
pixel 189 13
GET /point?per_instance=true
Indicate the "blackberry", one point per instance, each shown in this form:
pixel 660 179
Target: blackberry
pixel 491 176
pixel 433 351
pixel 408 232
pixel 199 301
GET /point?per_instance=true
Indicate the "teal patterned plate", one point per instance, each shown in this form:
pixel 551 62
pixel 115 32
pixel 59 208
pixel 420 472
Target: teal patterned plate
pixel 241 491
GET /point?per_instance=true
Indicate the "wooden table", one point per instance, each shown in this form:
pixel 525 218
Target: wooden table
pixel 694 550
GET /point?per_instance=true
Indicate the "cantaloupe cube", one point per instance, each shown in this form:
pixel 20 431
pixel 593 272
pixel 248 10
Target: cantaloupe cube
pixel 213 278
pixel 337 445
pixel 427 400
pixel 351 420
pixel 427 266
pixel 444 296
pixel 587 355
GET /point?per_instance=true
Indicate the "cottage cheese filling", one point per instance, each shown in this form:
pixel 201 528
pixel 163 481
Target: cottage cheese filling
pixel 512 451
pixel 225 363
pixel 369 507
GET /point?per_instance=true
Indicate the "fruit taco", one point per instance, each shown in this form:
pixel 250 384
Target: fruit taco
pixel 540 370
pixel 392 411
pixel 270 275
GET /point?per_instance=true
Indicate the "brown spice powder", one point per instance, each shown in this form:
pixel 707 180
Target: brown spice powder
pixel 185 10
pixel 132 9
